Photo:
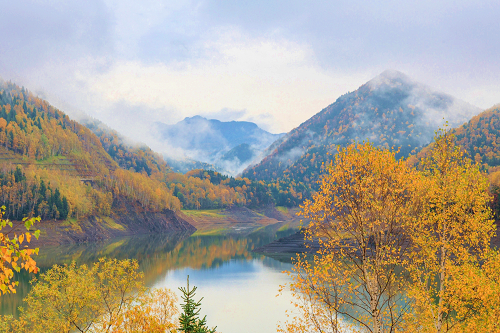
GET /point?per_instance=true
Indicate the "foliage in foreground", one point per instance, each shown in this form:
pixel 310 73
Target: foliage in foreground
pixel 15 256
pixel 401 249
pixel 108 296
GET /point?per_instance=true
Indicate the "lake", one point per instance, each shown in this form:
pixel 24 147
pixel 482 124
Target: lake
pixel 239 287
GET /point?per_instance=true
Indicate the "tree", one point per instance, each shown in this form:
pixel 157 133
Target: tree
pixel 359 217
pixel 451 239
pixel 189 320
pixel 108 296
pixel 15 256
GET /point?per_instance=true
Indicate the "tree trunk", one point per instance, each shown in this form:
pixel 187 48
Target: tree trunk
pixel 442 277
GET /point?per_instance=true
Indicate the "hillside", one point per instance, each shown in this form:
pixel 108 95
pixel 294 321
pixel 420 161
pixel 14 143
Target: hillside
pixel 56 168
pixel 212 141
pixel 391 110
pixel 480 139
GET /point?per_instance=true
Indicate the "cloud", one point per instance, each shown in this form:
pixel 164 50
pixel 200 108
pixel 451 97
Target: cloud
pixel 272 62
pixel 261 76
pixel 36 32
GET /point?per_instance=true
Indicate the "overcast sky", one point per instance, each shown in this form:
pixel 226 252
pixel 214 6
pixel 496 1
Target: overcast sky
pixel 277 63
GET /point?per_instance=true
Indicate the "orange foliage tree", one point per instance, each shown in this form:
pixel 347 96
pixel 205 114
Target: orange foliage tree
pixel 15 256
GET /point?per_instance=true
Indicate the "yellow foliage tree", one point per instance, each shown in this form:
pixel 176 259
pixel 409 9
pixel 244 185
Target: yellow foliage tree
pixel 107 297
pixel 401 249
pixel 359 218
pixel 450 238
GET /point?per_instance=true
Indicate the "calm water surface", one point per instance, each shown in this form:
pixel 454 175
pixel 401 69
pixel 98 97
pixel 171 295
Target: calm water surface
pixel 239 287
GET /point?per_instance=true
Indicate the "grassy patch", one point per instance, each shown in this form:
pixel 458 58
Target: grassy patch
pixel 72 222
pixel 215 213
pixel 110 223
pixel 54 160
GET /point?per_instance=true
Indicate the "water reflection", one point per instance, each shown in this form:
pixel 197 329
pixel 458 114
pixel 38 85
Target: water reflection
pixel 216 262
pixel 239 295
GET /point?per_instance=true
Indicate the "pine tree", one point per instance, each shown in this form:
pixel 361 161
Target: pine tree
pixel 189 320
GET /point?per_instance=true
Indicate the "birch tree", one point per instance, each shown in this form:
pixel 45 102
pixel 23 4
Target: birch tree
pixel 451 239
pixel 359 217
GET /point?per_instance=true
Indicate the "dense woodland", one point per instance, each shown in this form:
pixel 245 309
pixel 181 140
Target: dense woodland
pixel 138 158
pixel 23 197
pixel 480 137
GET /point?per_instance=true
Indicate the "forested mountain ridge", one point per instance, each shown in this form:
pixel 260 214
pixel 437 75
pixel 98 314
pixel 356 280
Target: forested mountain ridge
pixel 480 139
pixel 391 110
pixel 47 159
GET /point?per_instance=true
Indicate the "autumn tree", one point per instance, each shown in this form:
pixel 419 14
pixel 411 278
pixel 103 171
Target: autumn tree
pixel 108 296
pixel 359 217
pixel 14 252
pixel 451 239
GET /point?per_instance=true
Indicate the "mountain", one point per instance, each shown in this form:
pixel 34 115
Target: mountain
pixel 390 110
pixel 243 153
pixel 210 141
pixel 54 167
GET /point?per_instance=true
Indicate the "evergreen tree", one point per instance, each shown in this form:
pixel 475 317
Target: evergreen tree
pixel 189 320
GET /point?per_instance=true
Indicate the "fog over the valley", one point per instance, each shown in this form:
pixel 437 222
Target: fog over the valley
pixel 133 63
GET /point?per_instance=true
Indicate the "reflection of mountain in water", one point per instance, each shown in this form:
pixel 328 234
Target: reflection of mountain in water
pixel 156 254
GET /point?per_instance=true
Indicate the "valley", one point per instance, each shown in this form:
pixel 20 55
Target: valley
pixel 249 166
pixel 98 194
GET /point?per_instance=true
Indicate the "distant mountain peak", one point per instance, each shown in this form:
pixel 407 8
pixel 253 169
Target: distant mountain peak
pixel 197 117
pixel 209 140
pixel 393 74
pixel 391 79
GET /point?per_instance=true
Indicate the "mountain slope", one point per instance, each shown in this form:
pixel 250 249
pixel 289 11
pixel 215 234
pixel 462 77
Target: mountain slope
pixel 209 140
pixel 480 137
pixel 140 158
pixel 42 149
pixel 56 168
pixel 391 110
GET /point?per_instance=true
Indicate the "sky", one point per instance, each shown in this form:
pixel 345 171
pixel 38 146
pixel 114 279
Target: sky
pixel 276 63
